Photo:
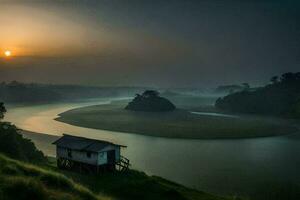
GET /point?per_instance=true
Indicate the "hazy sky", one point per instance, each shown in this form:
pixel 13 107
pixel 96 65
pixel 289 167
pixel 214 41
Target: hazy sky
pixel 151 43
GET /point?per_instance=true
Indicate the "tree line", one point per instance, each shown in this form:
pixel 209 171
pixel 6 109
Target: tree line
pixel 280 97
pixel 17 92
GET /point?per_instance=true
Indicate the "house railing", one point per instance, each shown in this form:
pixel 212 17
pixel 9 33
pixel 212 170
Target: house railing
pixel 123 164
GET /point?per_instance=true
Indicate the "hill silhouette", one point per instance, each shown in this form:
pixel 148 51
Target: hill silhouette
pixel 280 97
pixel 150 101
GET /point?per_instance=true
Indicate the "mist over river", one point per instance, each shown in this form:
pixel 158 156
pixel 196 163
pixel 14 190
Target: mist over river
pixel 219 166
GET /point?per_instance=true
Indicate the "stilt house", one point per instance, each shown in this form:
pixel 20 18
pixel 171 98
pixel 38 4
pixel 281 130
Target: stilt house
pixel 84 154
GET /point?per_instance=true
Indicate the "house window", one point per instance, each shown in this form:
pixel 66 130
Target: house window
pixel 88 154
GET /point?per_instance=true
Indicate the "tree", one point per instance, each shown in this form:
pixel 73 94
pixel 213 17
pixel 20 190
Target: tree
pixel 281 98
pixel 274 80
pixel 150 93
pixel 150 101
pixel 2 110
pixel 246 86
pixel 14 145
pixel 290 77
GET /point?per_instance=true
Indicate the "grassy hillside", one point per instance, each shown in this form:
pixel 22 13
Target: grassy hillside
pixel 19 180
pixel 25 181
pixel 137 185
pixel 43 183
pixel 176 124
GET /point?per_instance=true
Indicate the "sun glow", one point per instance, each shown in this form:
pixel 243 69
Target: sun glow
pixel 7 53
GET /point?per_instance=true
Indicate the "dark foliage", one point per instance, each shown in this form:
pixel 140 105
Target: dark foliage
pixel 2 110
pixel 150 101
pixel 280 97
pixel 26 189
pixel 133 185
pixel 276 191
pixel 15 146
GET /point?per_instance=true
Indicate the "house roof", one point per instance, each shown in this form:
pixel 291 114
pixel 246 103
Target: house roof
pixel 82 144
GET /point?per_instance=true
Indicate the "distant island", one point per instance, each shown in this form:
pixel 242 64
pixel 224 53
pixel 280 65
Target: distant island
pixel 180 123
pixel 150 101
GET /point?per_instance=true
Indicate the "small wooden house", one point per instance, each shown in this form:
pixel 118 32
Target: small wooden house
pixel 84 154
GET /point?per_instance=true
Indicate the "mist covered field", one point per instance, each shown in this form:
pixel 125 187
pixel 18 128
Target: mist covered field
pixel 180 123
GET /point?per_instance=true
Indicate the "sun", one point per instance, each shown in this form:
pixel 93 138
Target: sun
pixel 7 53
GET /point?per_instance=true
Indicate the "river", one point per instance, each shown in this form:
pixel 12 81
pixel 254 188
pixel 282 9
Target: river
pixel 219 166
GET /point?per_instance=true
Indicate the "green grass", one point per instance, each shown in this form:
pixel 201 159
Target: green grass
pixel 24 181
pixel 137 185
pixel 176 124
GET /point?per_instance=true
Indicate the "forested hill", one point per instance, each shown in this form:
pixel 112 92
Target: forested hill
pixel 280 97
pixel 150 101
pixel 16 92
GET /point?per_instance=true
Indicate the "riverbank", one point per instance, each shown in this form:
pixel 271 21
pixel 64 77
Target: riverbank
pixel 222 167
pixel 130 185
pixel 177 124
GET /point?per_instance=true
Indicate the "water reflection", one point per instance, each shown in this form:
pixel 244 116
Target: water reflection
pixel 215 114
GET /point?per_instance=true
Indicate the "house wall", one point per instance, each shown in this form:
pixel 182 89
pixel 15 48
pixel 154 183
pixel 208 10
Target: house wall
pixel 99 158
pixel 113 147
pixel 102 158
pixel 79 156
pixel 118 153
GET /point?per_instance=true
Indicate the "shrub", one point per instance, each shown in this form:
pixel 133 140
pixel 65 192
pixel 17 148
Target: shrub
pixel 14 145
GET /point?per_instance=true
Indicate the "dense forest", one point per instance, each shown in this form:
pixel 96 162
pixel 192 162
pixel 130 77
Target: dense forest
pixel 280 97
pixel 16 92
